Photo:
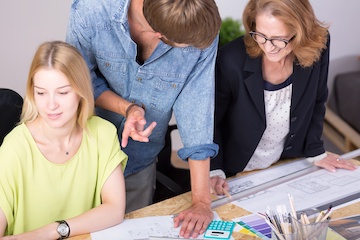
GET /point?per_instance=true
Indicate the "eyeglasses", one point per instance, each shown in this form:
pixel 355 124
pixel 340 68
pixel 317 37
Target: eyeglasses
pixel 276 42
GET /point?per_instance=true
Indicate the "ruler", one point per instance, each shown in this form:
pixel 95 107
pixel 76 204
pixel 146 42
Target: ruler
pixel 253 190
pixel 335 203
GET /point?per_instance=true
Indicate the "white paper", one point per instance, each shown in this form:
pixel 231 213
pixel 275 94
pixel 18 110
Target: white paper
pixel 142 229
pixel 311 190
pixel 139 228
pixel 242 183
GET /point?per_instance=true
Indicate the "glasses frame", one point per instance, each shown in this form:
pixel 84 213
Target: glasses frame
pixel 252 34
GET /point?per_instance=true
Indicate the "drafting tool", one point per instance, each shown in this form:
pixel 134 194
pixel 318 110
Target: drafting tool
pixel 350 155
pixel 338 202
pixel 261 187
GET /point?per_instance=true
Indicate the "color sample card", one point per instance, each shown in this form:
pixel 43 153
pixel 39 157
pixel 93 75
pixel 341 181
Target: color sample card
pixel 254 224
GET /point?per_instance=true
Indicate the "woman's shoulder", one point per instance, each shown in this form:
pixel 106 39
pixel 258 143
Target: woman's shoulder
pixel 17 141
pixel 98 124
pixel 17 134
pixel 233 50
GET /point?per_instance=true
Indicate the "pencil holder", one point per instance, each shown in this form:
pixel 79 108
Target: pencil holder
pixel 281 236
pixel 315 230
pixel 289 231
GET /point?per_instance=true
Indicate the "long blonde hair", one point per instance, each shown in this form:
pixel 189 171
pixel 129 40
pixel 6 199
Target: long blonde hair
pixel 66 59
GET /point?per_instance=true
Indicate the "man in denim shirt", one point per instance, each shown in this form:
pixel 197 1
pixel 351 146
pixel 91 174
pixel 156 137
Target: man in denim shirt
pixel 149 58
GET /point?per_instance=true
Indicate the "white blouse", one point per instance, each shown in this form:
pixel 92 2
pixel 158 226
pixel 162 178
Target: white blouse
pixel 277 110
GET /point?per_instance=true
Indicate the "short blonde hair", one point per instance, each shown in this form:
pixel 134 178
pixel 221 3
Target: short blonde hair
pixel 193 22
pixel 300 20
pixel 66 59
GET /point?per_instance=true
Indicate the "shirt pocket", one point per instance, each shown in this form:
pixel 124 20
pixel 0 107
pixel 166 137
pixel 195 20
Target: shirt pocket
pixel 115 74
pixel 164 91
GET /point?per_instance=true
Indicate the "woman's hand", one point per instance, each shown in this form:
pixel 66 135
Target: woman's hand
pixel 332 161
pixel 217 185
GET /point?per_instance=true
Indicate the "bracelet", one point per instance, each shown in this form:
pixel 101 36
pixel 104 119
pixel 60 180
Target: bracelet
pixel 131 106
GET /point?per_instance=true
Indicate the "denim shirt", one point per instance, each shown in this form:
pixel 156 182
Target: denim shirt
pixel 171 79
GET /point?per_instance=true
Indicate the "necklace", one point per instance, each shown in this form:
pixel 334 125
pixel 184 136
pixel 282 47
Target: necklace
pixel 72 141
pixel 72 145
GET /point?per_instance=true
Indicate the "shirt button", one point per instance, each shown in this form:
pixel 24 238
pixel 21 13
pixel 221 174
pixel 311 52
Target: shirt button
pixel 139 79
pixel 174 85
pixel 107 64
pixel 293 119
pixel 288 148
pixel 292 135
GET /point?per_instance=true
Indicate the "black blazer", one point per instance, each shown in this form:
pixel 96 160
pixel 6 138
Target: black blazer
pixel 240 111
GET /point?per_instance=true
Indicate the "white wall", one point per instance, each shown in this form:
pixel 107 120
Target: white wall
pixel 26 24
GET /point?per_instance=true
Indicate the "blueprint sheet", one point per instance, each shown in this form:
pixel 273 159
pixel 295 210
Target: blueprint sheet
pixel 310 190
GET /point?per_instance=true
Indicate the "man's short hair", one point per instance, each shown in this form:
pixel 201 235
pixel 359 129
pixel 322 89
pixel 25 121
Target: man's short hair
pixel 193 22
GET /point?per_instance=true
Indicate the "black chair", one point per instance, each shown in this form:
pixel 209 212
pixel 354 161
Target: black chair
pixel 170 181
pixel 10 107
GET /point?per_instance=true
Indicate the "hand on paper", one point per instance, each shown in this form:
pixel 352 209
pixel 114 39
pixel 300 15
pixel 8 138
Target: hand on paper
pixel 217 185
pixel 331 163
pixel 194 220
pixel 135 127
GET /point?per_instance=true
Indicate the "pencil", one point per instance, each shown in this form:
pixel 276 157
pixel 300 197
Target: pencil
pixel 306 218
pixel 227 193
pixel 292 205
pixel 320 216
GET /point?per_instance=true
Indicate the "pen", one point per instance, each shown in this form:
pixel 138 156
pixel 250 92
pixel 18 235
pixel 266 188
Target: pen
pixel 292 205
pixel 350 155
pixel 326 215
pixel 328 210
pixel 227 193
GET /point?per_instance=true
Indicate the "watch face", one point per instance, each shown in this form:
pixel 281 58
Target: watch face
pixel 63 229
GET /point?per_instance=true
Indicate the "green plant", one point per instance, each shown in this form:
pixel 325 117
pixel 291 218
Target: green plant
pixel 230 29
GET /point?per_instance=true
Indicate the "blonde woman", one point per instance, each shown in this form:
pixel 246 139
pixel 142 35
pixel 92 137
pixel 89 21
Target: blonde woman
pixel 61 168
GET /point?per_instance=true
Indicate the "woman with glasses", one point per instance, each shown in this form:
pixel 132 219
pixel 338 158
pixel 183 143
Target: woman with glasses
pixel 271 89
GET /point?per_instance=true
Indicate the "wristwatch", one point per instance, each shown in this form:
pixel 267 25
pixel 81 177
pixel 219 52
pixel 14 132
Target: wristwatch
pixel 63 229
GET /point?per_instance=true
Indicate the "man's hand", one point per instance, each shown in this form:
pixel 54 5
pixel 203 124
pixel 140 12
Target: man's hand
pixel 217 185
pixel 331 162
pixel 134 127
pixel 194 220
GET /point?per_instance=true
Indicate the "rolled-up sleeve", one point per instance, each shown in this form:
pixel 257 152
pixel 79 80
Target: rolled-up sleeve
pixel 194 109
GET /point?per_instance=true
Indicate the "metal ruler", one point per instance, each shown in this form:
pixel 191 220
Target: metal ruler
pixel 253 190
pixel 335 203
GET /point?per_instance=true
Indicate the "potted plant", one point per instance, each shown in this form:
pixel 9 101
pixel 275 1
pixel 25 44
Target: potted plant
pixel 230 29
